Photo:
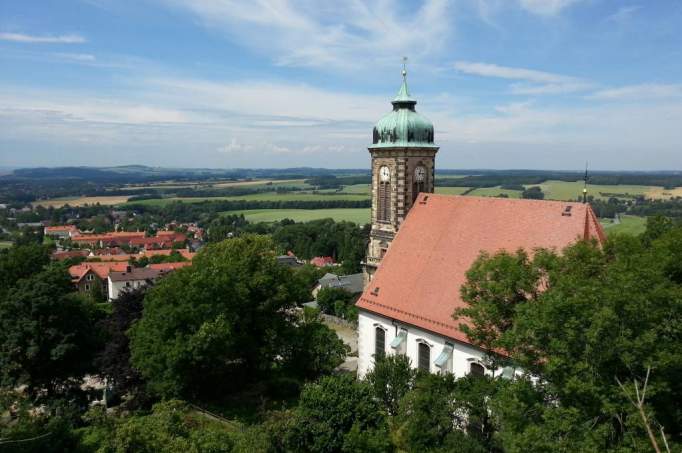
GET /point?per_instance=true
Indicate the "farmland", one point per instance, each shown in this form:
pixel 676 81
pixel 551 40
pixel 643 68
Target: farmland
pixel 357 215
pixel 82 201
pixel 629 224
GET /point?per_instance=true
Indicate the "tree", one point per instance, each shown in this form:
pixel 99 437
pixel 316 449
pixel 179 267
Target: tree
pixel 391 378
pixel 47 333
pixel 113 362
pixel 605 314
pixel 224 319
pixel 534 193
pixel 312 350
pixel 171 427
pixel 337 302
pixel 19 262
pixel 334 413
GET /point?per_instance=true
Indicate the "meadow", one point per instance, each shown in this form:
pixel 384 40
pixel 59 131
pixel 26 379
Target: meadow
pixel 82 201
pixel 263 196
pixel 629 224
pixel 357 215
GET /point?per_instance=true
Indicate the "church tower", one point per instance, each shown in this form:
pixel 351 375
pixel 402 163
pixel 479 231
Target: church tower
pixel 403 160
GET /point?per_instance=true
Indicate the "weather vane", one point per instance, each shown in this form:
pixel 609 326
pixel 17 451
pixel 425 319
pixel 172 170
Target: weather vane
pixel 404 66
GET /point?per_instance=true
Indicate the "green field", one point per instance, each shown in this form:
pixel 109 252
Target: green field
pixel 563 190
pixel 265 196
pixel 357 188
pixel 629 224
pixel 359 215
pixel 451 190
pixel 5 244
pixel 495 191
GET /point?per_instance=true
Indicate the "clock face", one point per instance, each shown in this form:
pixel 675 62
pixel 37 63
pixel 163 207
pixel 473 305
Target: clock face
pixel 420 174
pixel 384 174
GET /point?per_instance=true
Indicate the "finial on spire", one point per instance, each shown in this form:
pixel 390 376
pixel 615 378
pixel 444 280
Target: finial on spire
pixel 404 72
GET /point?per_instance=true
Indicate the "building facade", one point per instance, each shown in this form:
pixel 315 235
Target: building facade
pixel 403 157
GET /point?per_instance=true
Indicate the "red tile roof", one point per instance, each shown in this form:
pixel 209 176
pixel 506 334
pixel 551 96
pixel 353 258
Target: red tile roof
pixel 169 266
pixel 321 261
pixel 102 270
pixel 420 276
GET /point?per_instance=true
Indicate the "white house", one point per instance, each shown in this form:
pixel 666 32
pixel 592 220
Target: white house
pixel 130 279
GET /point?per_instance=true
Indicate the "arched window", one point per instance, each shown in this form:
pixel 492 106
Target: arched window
pixel 384 195
pixel 476 369
pixel 379 343
pixel 424 357
pixel 419 181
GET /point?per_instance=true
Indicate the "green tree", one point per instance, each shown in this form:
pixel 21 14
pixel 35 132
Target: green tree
pixel 391 378
pixel 171 427
pixel 605 313
pixel 335 412
pixel 19 262
pixel 224 319
pixel 47 333
pixel 534 193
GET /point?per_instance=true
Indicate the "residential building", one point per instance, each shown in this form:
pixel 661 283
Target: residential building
pixel 91 277
pixel 353 283
pixel 129 279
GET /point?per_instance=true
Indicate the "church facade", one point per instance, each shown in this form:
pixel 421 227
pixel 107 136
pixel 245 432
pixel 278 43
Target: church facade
pixel 422 244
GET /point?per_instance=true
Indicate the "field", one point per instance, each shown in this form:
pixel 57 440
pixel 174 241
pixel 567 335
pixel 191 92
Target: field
pixel 265 196
pixel 81 201
pixel 563 190
pixel 359 215
pixel 495 191
pixel 629 224
pixel 451 190
pixel 5 244
pixel 657 193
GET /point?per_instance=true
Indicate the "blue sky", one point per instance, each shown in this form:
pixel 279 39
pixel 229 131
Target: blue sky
pixel 278 83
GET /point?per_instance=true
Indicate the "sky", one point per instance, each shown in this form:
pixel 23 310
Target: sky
pixel 537 84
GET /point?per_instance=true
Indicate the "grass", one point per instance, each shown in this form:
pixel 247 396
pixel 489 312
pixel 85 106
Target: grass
pixel 82 201
pixel 564 190
pixel 452 190
pixel 5 244
pixel 357 215
pixel 265 196
pixel 629 224
pixel 495 191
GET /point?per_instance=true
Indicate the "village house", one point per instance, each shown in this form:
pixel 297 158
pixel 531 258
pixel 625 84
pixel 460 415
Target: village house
pixel 61 231
pixel 422 244
pixel 94 277
pixel 353 283
pixel 129 279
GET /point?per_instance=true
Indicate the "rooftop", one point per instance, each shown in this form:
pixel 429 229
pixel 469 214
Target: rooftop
pixel 419 279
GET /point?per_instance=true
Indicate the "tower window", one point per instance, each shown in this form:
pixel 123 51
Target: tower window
pixel 424 357
pixel 379 343
pixel 384 195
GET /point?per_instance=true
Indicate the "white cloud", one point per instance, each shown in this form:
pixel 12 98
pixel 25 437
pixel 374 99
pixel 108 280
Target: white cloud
pixel 546 7
pixel 45 39
pixel 623 14
pixel 535 82
pixel 77 57
pixel 642 92
pixel 328 33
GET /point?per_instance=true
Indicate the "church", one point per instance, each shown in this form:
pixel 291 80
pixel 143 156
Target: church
pixel 422 244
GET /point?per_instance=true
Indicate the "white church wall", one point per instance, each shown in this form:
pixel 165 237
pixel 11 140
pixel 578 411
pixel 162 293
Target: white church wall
pixel 462 354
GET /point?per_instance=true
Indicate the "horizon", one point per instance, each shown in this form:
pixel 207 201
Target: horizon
pixel 523 84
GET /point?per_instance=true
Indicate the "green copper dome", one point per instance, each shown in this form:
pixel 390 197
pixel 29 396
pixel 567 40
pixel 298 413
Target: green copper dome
pixel 403 127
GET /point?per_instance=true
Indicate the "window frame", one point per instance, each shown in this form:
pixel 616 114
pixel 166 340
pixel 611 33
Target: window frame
pixel 421 347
